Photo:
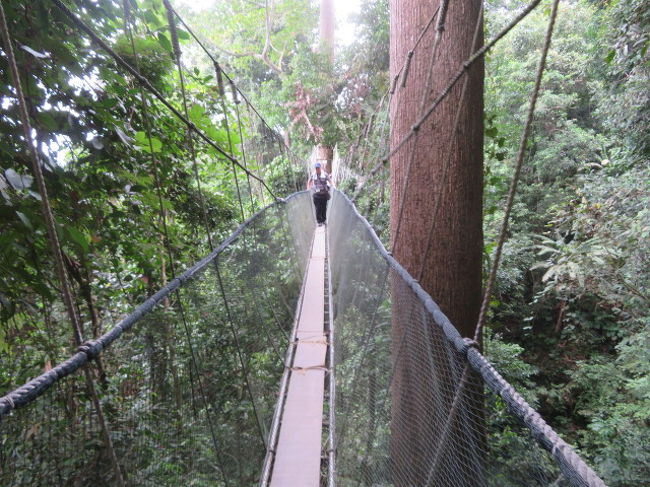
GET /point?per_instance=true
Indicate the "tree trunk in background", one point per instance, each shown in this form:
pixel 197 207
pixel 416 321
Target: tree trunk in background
pixel 325 154
pixel 326 22
pixel 452 271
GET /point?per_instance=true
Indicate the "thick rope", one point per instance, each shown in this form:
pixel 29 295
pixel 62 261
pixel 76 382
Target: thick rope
pixel 55 245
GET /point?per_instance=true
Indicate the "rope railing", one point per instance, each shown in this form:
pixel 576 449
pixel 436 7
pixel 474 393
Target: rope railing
pixel 223 346
pixel 467 439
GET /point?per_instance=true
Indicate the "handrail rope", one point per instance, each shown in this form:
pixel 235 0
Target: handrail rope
pixel 571 464
pixel 167 243
pixel 39 385
pixel 446 162
pixel 455 78
pixel 55 244
pixel 446 431
pixel 218 67
pixel 542 433
pixel 145 82
pixel 440 27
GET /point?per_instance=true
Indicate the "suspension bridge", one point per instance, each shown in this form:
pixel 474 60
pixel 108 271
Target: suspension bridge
pixel 341 370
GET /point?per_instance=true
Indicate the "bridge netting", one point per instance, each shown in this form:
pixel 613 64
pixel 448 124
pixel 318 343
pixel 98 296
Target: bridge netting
pixel 192 379
pixel 416 404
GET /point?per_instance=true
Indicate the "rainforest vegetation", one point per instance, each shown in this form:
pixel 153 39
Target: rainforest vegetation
pixel 569 322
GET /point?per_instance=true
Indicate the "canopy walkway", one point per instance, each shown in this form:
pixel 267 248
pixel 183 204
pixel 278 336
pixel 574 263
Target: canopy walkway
pixel 290 355
pixel 398 397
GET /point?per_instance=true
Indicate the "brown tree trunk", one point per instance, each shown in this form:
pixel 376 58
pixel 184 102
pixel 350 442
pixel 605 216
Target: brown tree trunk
pixel 326 22
pixel 446 173
pixel 325 154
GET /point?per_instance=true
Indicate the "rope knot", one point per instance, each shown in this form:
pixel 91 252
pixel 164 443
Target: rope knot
pixel 91 348
pixel 469 343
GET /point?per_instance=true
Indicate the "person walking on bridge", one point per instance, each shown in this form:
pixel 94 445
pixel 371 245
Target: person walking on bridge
pixel 320 183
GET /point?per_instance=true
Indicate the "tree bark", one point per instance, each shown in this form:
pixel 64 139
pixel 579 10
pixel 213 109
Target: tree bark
pixel 445 172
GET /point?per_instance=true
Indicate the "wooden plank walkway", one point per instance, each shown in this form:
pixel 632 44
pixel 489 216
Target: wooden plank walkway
pixel 298 454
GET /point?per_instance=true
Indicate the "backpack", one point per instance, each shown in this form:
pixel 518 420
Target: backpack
pixel 321 187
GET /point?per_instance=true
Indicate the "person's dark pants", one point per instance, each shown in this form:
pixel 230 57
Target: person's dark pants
pixel 320 202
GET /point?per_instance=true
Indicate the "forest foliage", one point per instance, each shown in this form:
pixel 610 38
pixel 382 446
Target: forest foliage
pixel 570 320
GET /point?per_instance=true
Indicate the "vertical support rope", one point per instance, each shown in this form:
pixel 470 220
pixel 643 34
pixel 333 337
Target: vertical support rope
pixel 515 178
pixel 168 243
pixel 442 15
pixel 190 138
pixel 55 245
pixel 222 100
pixel 446 431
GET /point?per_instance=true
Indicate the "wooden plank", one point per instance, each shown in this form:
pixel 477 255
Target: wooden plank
pixel 297 460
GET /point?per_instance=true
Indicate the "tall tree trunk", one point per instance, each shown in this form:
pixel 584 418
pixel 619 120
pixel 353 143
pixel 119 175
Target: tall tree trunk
pixel 450 270
pixel 325 154
pixel 326 21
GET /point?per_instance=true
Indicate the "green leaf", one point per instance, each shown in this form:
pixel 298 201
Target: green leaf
pixel 196 114
pixel 25 220
pixel 610 56
pixel 164 42
pixel 142 142
pixel 78 237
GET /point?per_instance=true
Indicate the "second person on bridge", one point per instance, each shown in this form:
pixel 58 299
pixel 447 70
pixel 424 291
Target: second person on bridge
pixel 320 183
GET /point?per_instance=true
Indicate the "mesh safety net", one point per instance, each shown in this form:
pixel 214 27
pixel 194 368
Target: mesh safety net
pixel 189 381
pixel 190 386
pixel 416 405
